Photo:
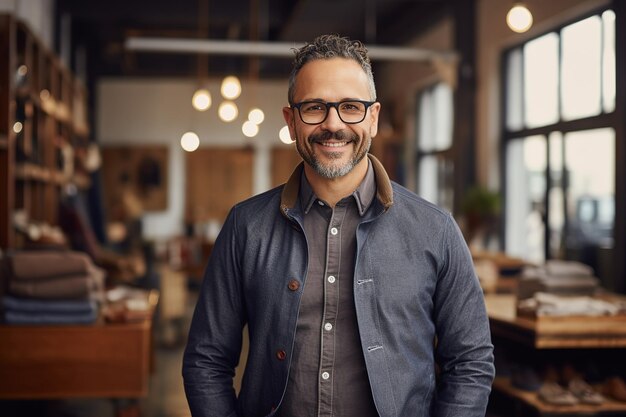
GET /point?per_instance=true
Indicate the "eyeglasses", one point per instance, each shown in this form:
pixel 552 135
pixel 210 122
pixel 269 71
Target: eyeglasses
pixel 349 111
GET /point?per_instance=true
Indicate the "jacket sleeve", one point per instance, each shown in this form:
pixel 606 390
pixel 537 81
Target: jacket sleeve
pixel 464 351
pixel 215 335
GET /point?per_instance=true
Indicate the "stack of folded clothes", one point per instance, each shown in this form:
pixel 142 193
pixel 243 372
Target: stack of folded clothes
pixel 558 277
pixel 52 287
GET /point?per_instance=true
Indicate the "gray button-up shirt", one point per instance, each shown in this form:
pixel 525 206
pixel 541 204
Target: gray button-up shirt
pixel 328 375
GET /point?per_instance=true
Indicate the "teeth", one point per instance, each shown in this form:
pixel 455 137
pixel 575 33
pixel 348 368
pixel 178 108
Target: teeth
pixel 334 144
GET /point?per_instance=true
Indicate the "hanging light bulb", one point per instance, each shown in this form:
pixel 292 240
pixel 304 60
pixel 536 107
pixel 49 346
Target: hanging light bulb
pixel 250 129
pixel 284 135
pixel 519 19
pixel 256 116
pixel 228 111
pixel 231 87
pixel 189 141
pixel 201 99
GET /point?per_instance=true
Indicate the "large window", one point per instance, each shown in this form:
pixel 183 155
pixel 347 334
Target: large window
pixel 559 139
pixel 435 171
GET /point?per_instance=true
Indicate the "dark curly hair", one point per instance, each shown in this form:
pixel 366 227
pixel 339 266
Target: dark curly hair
pixel 331 46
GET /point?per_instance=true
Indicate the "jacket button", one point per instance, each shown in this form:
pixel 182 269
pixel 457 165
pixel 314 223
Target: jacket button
pixel 293 285
pixel 281 355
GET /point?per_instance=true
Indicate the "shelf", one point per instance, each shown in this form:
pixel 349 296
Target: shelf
pixel 34 172
pixel 553 332
pixel 504 386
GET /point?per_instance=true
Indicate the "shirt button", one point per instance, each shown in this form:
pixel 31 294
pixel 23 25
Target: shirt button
pixel 331 279
pixel 281 355
pixel 334 231
pixel 293 285
pixel 320 202
pixel 325 375
pixel 328 327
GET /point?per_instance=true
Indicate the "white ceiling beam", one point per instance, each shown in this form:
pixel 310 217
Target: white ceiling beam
pixel 273 49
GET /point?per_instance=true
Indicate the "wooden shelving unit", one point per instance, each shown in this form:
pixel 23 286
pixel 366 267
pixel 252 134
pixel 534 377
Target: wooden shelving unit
pixel 43 131
pixel 44 135
pixel 609 407
pixel 549 335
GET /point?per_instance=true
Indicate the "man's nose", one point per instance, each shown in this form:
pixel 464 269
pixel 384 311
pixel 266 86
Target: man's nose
pixel 333 121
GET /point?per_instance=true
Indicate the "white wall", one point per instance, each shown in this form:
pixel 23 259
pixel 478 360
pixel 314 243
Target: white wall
pixel 158 111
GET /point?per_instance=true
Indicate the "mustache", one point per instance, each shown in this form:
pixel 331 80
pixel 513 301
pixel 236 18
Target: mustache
pixel 339 135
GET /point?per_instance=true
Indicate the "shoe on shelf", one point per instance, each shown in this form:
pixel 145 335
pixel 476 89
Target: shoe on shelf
pixel 584 392
pixel 553 393
pixel 615 388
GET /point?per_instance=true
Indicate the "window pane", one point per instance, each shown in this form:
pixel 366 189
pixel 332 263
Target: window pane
pixel 436 180
pixel 581 68
pixel 514 91
pixel 590 163
pixel 435 119
pixel 427 179
pixel 541 80
pixel 425 128
pixel 525 198
pixel 608 61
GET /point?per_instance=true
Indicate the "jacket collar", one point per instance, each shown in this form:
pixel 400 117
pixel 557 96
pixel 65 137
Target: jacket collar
pixel 384 191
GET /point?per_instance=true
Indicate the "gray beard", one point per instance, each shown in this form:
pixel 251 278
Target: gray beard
pixel 332 171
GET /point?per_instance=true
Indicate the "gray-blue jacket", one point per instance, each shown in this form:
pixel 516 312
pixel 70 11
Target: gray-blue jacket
pixel 417 298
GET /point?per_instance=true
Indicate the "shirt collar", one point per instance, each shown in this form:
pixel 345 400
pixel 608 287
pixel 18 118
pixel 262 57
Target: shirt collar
pixel 363 195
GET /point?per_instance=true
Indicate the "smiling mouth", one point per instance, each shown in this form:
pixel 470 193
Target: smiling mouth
pixel 334 144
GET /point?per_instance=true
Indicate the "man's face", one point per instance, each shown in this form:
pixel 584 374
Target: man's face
pixel 332 148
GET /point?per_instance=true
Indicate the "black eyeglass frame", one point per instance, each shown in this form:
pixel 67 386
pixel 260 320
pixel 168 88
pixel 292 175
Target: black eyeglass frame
pixel 335 104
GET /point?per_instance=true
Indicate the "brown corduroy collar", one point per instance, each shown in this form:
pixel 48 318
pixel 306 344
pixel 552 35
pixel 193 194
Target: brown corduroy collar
pixel 384 192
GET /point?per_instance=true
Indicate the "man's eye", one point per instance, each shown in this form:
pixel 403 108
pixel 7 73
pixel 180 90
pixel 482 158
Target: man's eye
pixel 313 107
pixel 350 107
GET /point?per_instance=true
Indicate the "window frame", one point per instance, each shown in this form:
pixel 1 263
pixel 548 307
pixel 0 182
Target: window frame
pixel 602 120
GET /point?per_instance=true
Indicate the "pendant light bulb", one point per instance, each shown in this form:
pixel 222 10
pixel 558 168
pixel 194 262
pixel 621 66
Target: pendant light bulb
pixel 250 129
pixel 256 116
pixel 228 111
pixel 231 87
pixel 201 99
pixel 519 19
pixel 190 141
pixel 284 135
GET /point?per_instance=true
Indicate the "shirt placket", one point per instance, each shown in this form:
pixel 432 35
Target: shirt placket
pixel 331 306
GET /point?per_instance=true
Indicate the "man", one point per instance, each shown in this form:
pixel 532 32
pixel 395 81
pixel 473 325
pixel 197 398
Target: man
pixel 354 289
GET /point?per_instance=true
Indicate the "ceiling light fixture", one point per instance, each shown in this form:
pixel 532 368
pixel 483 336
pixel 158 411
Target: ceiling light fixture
pixel 274 49
pixel 519 18
pixel 250 129
pixel 228 111
pixel 231 87
pixel 201 99
pixel 284 135
pixel 189 141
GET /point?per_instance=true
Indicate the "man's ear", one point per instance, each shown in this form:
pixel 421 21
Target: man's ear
pixel 374 112
pixel 289 116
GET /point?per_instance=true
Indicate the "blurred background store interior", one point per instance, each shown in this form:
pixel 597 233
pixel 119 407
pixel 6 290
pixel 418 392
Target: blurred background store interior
pixel 519 131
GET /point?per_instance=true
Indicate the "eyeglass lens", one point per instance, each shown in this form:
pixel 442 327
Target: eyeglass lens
pixel 316 112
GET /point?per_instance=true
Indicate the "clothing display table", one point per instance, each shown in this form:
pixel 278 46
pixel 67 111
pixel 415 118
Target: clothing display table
pixel 102 360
